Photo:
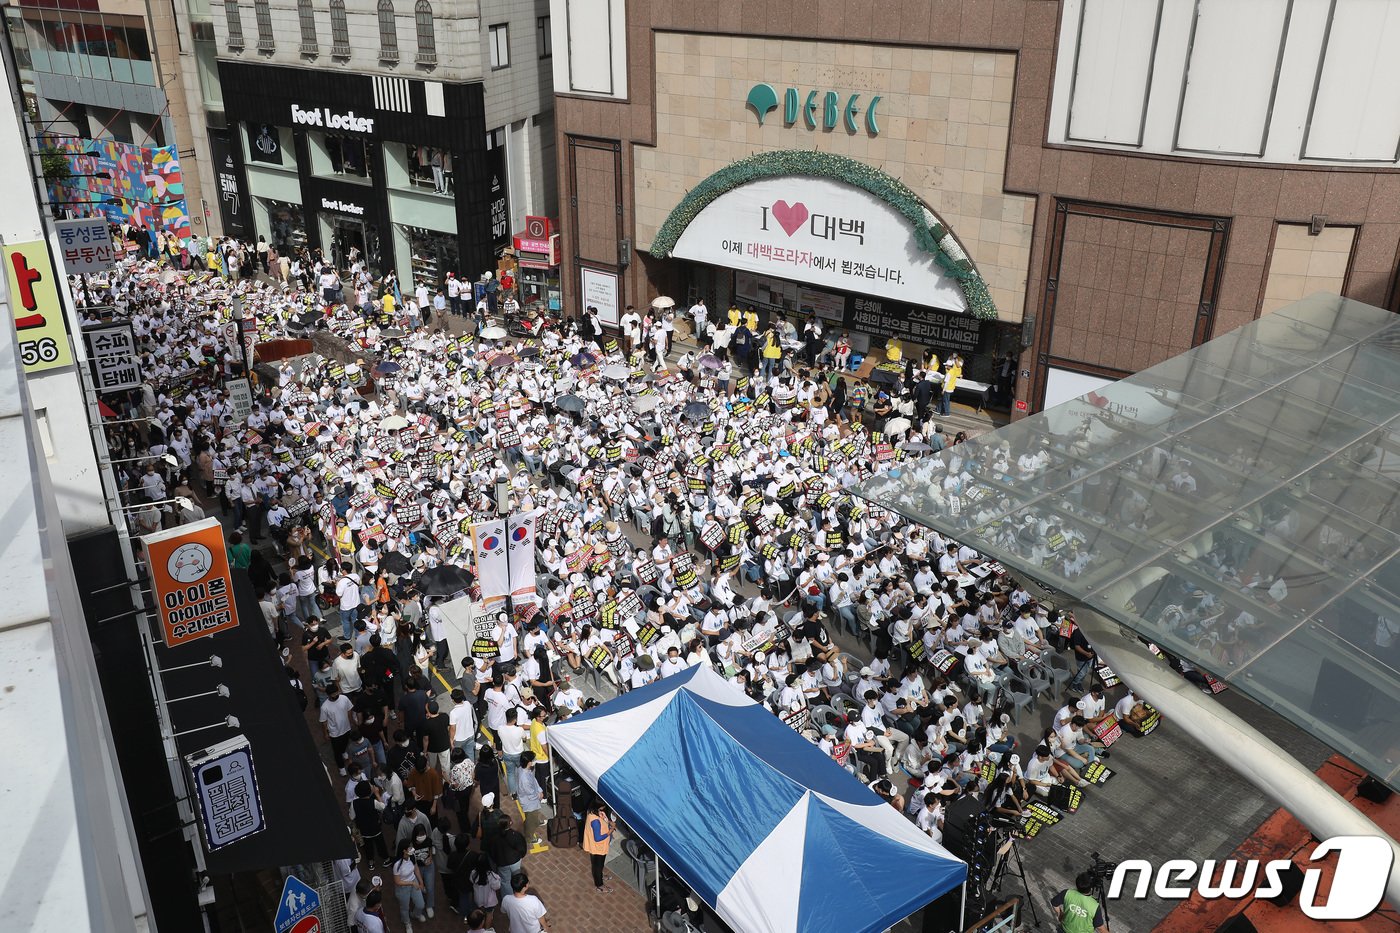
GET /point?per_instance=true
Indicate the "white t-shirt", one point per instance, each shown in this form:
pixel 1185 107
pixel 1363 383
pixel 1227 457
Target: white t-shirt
pixel 336 715
pixel 512 739
pixel 524 913
pixel 463 720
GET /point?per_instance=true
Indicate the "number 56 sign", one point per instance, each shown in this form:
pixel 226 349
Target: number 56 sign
pixel 43 339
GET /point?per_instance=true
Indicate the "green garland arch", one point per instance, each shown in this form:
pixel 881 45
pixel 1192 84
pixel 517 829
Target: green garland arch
pixel 932 235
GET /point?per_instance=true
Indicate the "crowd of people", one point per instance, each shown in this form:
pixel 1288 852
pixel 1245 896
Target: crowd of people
pixel 694 508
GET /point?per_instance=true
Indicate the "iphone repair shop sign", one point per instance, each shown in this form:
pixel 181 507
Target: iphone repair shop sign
pixel 191 579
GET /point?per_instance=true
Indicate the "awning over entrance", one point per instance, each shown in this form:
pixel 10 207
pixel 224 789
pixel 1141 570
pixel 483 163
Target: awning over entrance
pixel 1237 505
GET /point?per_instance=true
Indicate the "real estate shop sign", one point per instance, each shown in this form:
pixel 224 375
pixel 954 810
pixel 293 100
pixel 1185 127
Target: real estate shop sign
pixel 822 232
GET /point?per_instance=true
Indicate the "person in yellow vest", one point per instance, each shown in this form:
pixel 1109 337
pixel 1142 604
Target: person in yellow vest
pixel 539 744
pixel 950 382
pixel 735 315
pixel 344 543
pixel 894 351
pixel 772 351
pixel 388 305
pixel 751 320
pixel 597 836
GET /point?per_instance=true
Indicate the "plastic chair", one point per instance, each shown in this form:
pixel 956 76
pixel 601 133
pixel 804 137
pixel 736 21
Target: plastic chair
pixel 824 715
pixel 845 706
pixel 1059 669
pixel 1020 695
pixel 1039 678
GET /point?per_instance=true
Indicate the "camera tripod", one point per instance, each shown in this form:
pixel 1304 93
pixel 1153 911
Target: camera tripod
pixel 1010 850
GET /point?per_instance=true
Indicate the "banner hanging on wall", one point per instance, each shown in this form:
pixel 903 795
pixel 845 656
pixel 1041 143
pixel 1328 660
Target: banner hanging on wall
pixel 823 232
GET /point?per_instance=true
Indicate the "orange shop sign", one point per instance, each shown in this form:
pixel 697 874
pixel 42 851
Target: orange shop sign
pixel 190 575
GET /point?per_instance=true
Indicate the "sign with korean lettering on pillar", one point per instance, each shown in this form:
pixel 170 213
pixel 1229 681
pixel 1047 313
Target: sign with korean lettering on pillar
pixel 38 310
pixel 112 349
pixel 192 584
pixel 85 244
pixel 821 232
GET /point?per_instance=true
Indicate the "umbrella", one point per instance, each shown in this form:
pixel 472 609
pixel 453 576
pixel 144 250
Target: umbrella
pixel 569 403
pixel 443 580
pixel 393 423
pixel 645 404
pixel 883 376
pixel 493 333
pixel 916 447
pixel 395 563
pixel 386 367
pixel 105 410
pixel 422 343
pixel 710 361
pixel 663 302
pixel 616 371
pixel 896 425
pixel 529 353
pixel 696 411
pixel 503 359
pixel 391 333
pixel 308 318
pixel 583 358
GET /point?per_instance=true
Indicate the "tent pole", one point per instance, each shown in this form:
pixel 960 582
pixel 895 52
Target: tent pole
pixel 962 909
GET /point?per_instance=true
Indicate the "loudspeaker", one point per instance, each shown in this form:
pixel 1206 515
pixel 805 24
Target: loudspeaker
pixel 958 821
pixel 1239 923
pixel 1373 790
pixel 1340 697
pixel 1292 880
pixel 942 915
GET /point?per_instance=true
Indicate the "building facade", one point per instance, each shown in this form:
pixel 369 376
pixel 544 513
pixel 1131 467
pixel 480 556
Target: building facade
pixel 419 134
pixel 100 78
pixel 1091 185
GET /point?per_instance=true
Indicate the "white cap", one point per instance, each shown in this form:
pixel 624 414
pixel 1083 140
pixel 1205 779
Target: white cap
pixel 488 799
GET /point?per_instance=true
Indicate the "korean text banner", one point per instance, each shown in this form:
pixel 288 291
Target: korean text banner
pixel 190 577
pixel 38 310
pixel 821 232
pixel 489 551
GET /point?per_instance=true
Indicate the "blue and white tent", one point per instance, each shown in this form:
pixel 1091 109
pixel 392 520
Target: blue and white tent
pixel 766 829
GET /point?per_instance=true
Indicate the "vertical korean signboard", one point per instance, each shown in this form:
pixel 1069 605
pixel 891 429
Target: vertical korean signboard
pixel 38 310
pixel 112 349
pixel 226 787
pixel 190 576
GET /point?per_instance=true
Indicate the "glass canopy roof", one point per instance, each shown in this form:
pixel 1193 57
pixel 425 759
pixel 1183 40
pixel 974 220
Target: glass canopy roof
pixel 1237 505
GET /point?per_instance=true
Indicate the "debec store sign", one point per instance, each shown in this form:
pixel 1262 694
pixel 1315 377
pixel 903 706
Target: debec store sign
pixel 327 120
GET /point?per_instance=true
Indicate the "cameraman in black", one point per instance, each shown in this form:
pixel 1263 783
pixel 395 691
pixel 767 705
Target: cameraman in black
pixel 1077 911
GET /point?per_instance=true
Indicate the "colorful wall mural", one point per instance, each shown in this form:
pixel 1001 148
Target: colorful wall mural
pixel 145 187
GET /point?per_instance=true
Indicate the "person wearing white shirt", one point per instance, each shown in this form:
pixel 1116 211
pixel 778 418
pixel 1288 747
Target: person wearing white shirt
pixel 930 818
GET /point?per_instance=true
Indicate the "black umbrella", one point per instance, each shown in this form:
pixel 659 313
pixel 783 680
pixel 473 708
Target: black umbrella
pixel 696 411
pixel 583 358
pixel 569 403
pixel 529 353
pixel 308 318
pixel 386 367
pixel 443 580
pixel 395 563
